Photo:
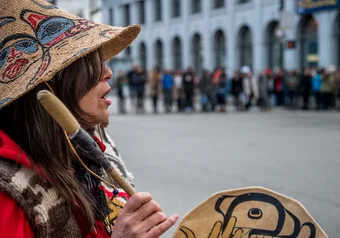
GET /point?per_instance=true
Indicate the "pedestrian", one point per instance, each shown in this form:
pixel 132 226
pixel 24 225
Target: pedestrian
pixel 139 81
pixel 236 89
pixel 168 86
pixel 155 87
pixel 178 90
pixel 263 91
pixel 250 87
pixel 131 75
pixel 328 88
pixel 206 90
pixel 316 86
pixel 45 188
pixel 270 86
pixel 305 88
pixel 121 86
pixel 221 92
pixel 188 89
pixel 292 86
pixel 278 88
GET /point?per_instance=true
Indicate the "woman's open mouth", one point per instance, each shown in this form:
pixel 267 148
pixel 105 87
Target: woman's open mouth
pixel 105 99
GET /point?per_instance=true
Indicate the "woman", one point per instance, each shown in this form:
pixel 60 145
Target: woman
pixel 44 190
pixel 155 87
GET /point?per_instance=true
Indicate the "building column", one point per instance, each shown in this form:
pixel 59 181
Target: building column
pixel 231 35
pixel 324 38
pixel 257 34
pixel 186 41
pixel 207 53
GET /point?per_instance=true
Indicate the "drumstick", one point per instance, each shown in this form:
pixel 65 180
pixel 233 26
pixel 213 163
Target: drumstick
pixel 83 142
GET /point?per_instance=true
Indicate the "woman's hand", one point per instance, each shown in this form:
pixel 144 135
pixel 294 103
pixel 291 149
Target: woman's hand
pixel 142 217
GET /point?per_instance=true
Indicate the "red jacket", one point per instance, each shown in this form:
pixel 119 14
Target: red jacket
pixel 13 222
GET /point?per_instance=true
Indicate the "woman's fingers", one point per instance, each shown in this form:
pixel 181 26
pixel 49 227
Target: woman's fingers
pixel 136 201
pixel 162 227
pixel 147 209
pixel 152 221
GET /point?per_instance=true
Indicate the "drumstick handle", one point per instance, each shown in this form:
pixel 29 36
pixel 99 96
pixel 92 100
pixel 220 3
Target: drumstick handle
pixel 119 179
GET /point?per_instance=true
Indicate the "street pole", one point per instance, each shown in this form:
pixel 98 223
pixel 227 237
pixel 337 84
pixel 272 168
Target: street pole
pixel 282 43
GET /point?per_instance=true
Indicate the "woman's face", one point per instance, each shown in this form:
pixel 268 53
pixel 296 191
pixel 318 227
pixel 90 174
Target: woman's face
pixel 95 103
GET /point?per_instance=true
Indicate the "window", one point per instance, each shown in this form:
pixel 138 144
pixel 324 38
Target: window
pixel 158 10
pixel 111 16
pixel 128 52
pixel 142 55
pixel 220 49
pixel 197 56
pixel 126 14
pixel 159 54
pixel 176 8
pixel 273 45
pixel 218 3
pixel 195 6
pixel 141 6
pixel 245 47
pixel 177 53
pixel 243 1
pixel 308 42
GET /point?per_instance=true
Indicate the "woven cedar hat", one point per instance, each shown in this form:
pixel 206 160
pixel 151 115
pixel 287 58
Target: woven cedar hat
pixel 37 40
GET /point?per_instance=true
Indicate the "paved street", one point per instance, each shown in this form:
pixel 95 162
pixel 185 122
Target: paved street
pixel 183 159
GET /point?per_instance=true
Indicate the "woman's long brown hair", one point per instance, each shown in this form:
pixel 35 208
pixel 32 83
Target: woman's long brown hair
pixel 31 127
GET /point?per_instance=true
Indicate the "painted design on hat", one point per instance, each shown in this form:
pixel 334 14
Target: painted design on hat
pixel 5 100
pixel 44 4
pixel 5 20
pixel 54 33
pixel 108 33
pixel 51 30
pixel 18 53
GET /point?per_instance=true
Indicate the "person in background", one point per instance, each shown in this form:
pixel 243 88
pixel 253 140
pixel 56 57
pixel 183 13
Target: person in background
pixel 221 92
pixel 328 87
pixel 168 86
pixel 292 86
pixel 305 88
pixel 337 85
pixel 316 87
pixel 131 75
pixel 139 81
pixel 189 89
pixel 278 88
pixel 263 91
pixel 206 90
pixel 178 90
pixel 250 88
pixel 236 89
pixel 155 87
pixel 270 86
pixel 121 84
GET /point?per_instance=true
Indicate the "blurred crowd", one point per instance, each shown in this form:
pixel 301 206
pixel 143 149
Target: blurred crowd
pixel 314 88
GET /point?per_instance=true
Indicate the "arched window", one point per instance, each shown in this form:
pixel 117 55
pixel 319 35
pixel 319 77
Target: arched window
pixel 245 47
pixel 308 42
pixel 197 56
pixel 273 46
pixel 337 40
pixel 142 55
pixel 159 53
pixel 220 49
pixel 177 53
